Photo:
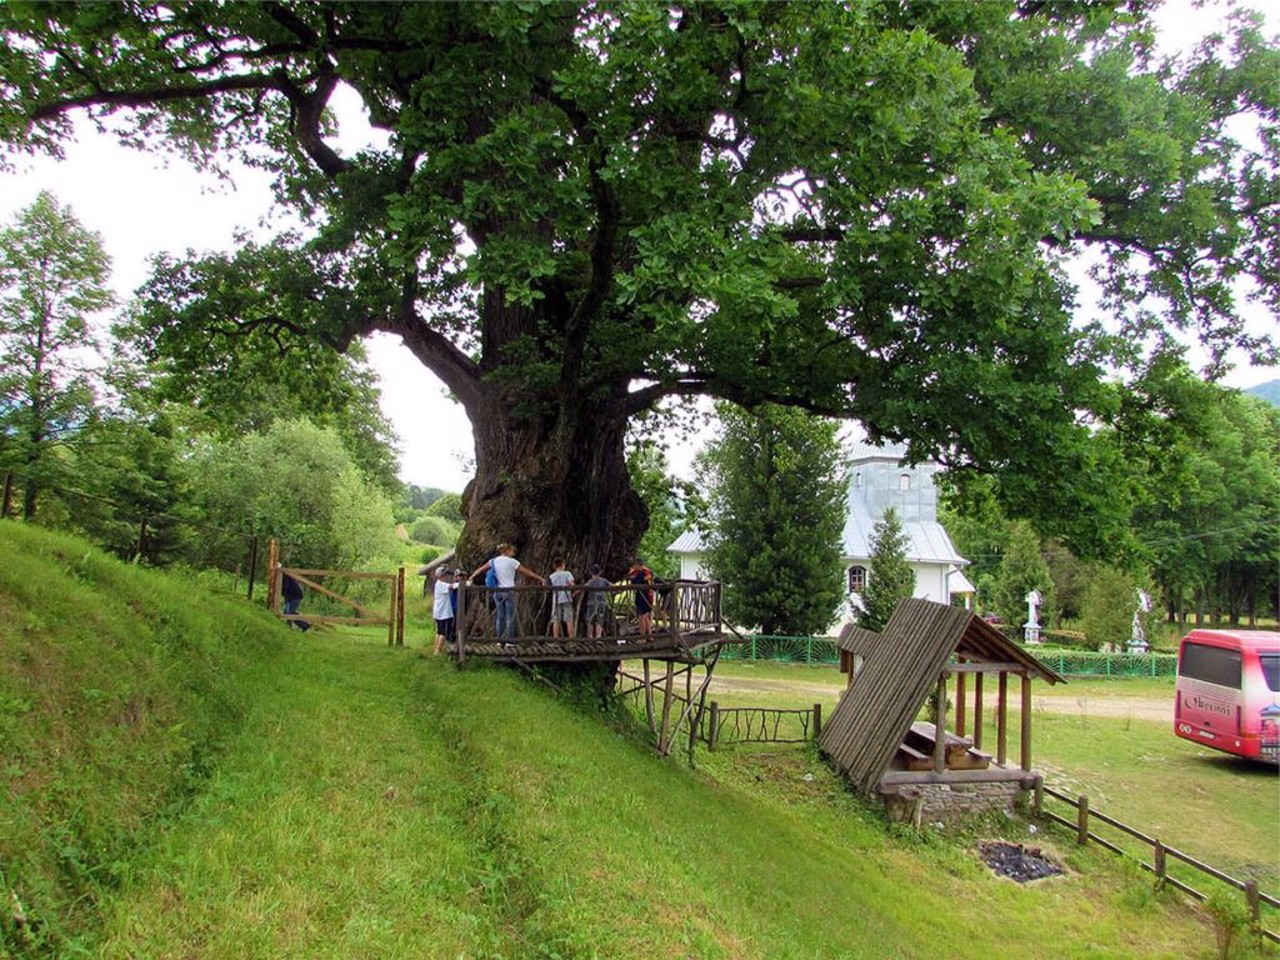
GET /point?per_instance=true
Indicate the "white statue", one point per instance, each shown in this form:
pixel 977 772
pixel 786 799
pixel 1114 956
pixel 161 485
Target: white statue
pixel 1138 636
pixel 1031 629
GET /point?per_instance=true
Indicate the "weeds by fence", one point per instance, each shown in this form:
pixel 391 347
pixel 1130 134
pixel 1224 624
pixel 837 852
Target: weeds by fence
pixel 1083 823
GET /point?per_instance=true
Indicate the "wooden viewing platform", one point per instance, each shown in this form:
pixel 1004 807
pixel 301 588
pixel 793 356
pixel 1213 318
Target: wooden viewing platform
pixel 686 633
pixel 686 625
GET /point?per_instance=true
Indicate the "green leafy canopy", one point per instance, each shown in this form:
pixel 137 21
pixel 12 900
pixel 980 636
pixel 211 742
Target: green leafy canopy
pixel 860 209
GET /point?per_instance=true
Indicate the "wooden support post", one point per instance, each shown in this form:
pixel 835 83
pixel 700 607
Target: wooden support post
pixel 648 697
pixel 1026 722
pixel 1255 904
pixel 400 608
pixel 1159 865
pixel 1039 794
pixel 664 737
pixel 391 613
pixel 273 576
pixel 940 731
pixel 817 721
pixel 713 737
pixel 673 610
pixel 961 706
pixel 253 565
pixel 1082 820
pixel 461 622
pixel 977 710
pixel 1002 719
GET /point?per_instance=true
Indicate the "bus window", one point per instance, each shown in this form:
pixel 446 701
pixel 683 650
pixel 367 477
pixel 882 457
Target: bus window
pixel 1211 664
pixel 1271 670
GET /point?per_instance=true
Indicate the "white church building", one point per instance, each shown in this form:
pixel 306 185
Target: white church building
pixel 878 480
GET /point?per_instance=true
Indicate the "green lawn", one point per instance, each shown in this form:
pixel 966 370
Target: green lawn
pixel 1208 804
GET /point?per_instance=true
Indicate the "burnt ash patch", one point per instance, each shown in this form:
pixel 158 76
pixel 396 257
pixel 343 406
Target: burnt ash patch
pixel 1017 862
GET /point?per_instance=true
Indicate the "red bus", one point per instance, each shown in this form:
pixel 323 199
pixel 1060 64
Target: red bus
pixel 1228 693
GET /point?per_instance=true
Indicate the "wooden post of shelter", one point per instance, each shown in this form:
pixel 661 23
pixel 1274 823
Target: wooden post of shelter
pixel 817 721
pixel 400 608
pixel 1002 719
pixel 1026 722
pixel 977 710
pixel 940 728
pixel 961 718
pixel 273 575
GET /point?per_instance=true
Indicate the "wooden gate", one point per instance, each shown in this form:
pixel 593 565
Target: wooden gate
pixel 363 616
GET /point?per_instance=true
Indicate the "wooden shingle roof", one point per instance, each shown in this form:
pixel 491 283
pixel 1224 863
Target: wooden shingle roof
pixel 901 666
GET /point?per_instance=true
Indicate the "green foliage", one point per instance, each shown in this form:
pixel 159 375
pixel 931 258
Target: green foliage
pixel 242 355
pixel 295 481
pixel 776 489
pixel 447 507
pixel 435 530
pixel 54 277
pixel 891 577
pixel 1109 603
pixel 117 693
pixel 862 210
pixel 1022 570
pixel 1208 468
pixel 667 499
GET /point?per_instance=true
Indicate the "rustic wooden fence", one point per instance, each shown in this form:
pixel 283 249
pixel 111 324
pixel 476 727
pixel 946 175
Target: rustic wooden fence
pixel 759 725
pixel 364 615
pixel 1161 854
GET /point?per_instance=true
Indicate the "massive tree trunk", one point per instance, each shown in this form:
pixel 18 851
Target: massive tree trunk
pixel 553 485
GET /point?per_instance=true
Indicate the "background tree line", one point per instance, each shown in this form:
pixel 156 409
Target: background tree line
pixel 170 450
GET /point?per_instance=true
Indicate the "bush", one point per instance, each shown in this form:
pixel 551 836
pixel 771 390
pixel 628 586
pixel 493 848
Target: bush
pixel 435 530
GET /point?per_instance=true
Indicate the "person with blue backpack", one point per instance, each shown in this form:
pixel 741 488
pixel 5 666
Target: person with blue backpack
pixel 502 570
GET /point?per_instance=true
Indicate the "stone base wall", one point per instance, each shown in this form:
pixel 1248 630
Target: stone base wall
pixel 949 802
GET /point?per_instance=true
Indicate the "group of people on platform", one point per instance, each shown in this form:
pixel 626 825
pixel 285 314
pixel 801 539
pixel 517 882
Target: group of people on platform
pixel 501 573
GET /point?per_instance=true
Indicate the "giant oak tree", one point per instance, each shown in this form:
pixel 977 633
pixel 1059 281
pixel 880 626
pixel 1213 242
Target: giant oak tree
pixel 584 209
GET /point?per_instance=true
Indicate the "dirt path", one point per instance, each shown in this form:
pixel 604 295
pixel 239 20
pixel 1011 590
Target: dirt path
pixel 1158 709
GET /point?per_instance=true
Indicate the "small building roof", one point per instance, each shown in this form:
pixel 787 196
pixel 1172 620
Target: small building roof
pixel 901 666
pixel 691 541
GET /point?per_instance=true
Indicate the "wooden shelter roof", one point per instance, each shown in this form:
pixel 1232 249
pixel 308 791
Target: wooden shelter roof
pixel 901 666
pixel 855 639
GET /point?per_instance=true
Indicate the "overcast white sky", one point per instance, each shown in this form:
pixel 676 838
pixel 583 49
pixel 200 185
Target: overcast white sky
pixel 142 204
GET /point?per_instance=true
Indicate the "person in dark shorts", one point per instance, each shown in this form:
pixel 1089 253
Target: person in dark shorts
pixel 642 578
pixel 597 601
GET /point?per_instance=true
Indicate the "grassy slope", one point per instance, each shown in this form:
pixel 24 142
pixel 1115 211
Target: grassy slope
pixel 374 802
pixel 116 689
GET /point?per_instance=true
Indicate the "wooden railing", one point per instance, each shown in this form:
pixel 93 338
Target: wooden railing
pixel 1160 854
pixel 681 608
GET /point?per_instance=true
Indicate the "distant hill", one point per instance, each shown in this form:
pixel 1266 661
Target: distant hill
pixel 1269 391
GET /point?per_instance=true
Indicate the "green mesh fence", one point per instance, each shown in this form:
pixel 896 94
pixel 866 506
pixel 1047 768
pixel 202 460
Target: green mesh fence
pixel 1086 663
pixel 784 649
pixel 1068 663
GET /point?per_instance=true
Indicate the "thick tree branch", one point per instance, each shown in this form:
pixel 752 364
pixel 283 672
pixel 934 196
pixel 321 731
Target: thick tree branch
pixel 115 99
pixel 436 352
